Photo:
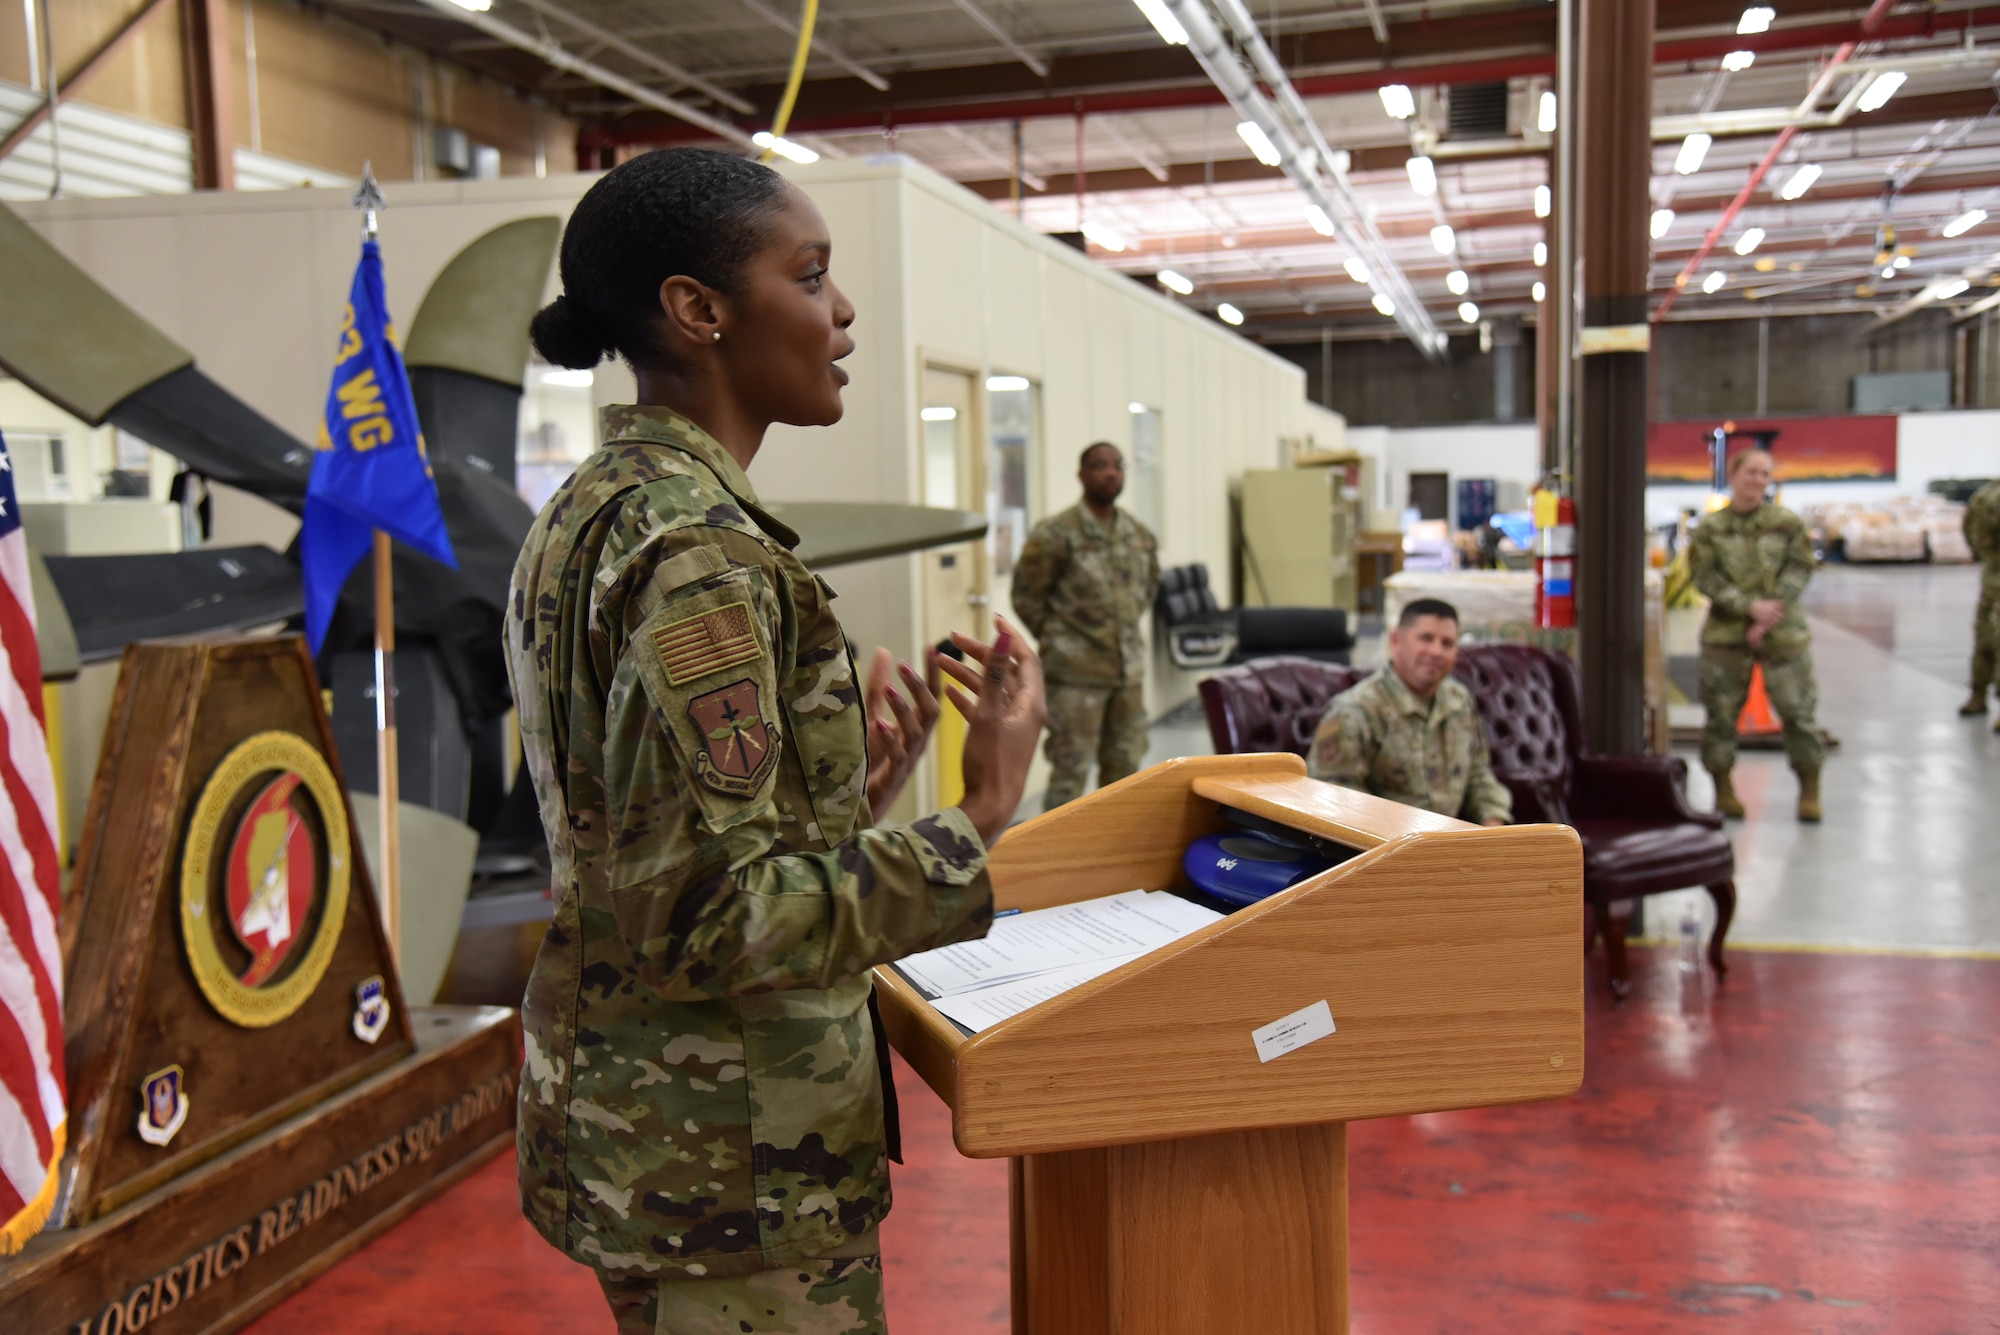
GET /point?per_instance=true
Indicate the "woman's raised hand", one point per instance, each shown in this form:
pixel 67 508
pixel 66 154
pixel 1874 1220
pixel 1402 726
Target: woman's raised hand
pixel 999 690
pixel 901 724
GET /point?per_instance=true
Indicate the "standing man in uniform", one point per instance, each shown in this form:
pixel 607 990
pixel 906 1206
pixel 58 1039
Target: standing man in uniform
pixel 1982 534
pixel 1084 581
pixel 1752 560
pixel 1411 732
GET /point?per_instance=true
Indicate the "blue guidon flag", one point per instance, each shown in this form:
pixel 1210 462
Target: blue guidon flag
pixel 371 471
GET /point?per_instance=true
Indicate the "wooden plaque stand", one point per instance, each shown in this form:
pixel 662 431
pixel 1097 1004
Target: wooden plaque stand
pixel 1167 1182
pixel 221 927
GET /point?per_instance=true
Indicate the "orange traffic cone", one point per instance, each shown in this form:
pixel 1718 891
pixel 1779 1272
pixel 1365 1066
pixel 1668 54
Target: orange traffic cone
pixel 1757 720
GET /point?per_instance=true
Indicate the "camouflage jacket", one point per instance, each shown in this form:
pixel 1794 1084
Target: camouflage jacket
pixel 1377 736
pixel 1982 526
pixel 701 1094
pixel 1082 587
pixel 1737 559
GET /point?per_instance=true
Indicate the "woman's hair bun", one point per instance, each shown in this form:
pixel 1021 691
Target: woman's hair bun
pixel 566 335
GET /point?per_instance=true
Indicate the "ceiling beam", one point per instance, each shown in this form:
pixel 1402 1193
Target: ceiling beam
pixel 1466 48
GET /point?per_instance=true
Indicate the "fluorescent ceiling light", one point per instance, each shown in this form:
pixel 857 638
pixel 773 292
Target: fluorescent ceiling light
pixel 1963 223
pixel 784 148
pixel 939 414
pixel 1545 114
pixel 1228 314
pixel 1356 269
pixel 1260 143
pixel 1006 384
pixel 1693 149
pixel 562 379
pixel 1738 61
pixel 1397 101
pixel 1877 94
pixel 1944 289
pixel 1457 283
pixel 1542 201
pixel 1749 241
pixel 1423 175
pixel 1714 281
pixel 1100 234
pixel 1756 19
pixel 1384 305
pixel 1468 312
pixel 1163 21
pixel 1540 292
pixel 474 6
pixel 1662 220
pixel 1801 181
pixel 1541 253
pixel 1443 239
pixel 1320 222
pixel 1174 282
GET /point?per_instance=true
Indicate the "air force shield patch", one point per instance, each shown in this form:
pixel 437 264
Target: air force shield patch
pixel 371 1009
pixel 163 1106
pixel 738 746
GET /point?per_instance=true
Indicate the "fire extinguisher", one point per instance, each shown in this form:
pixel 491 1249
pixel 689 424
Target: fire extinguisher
pixel 1555 560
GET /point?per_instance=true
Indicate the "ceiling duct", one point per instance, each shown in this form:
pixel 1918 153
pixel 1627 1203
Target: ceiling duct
pixel 1476 111
pixel 1318 170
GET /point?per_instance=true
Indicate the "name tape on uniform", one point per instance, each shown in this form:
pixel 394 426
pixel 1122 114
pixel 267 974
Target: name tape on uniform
pixel 1293 1032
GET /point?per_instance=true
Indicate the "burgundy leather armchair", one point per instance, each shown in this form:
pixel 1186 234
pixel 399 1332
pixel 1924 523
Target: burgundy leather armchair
pixel 1639 834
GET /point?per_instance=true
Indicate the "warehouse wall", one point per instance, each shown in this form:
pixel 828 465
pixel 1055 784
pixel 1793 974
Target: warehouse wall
pixel 322 91
pixel 1801 365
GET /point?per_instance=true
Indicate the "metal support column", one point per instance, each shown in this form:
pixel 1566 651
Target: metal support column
pixel 210 101
pixel 1614 127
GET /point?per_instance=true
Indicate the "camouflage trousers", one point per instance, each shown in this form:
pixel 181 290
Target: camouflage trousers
pixel 836 1296
pixel 1725 685
pixel 1986 632
pixel 1107 722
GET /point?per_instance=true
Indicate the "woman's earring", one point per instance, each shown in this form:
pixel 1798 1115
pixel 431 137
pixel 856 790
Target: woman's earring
pixel 716 336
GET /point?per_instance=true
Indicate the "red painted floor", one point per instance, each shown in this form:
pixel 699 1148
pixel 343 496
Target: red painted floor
pixel 1813 1147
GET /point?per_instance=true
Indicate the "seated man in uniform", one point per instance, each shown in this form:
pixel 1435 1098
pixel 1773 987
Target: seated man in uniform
pixel 1410 732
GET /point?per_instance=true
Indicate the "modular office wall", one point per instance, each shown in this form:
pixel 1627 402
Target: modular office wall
pixel 253 285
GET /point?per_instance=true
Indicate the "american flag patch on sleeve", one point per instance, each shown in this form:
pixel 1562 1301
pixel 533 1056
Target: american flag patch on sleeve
pixel 706 642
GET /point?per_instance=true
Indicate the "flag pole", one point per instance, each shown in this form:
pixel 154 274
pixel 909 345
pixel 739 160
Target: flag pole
pixel 387 777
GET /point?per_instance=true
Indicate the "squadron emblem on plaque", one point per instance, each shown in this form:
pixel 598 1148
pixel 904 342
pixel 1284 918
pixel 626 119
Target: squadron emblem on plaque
pixel 371 1009
pixel 264 879
pixel 163 1105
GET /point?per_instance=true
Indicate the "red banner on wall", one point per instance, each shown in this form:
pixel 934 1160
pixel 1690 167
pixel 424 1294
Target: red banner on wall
pixel 1807 449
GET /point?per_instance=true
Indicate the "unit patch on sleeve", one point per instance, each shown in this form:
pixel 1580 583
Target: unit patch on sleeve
pixel 706 642
pixel 737 745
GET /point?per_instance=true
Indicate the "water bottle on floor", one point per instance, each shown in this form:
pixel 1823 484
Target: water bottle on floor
pixel 1690 941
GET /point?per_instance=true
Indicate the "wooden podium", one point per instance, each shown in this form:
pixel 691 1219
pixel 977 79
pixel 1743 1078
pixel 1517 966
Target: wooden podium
pixel 1165 1180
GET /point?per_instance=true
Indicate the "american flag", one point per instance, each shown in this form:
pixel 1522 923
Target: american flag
pixel 31 1033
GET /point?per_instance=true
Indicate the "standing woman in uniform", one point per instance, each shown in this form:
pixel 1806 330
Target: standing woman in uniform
pixel 1752 560
pixel 702 1110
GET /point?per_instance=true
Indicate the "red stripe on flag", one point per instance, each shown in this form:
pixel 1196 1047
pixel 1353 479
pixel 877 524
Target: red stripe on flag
pixel 17 1073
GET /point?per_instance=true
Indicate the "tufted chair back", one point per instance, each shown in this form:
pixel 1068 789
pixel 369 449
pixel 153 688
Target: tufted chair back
pixel 1272 704
pixel 1527 698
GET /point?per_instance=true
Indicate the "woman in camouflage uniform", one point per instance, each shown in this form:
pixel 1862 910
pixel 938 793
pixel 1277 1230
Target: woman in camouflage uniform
pixel 1752 560
pixel 702 1111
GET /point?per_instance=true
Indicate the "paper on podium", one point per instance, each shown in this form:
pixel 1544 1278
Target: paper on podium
pixel 1030 957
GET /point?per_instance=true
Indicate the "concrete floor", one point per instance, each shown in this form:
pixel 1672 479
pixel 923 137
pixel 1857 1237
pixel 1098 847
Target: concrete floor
pixel 1909 855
